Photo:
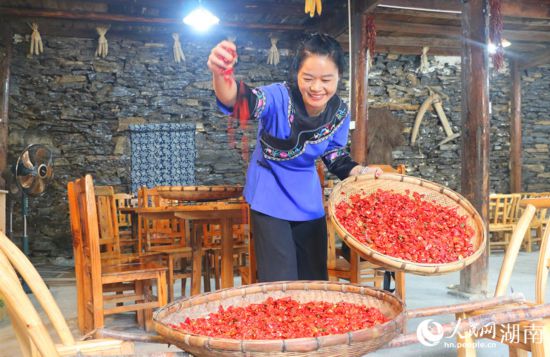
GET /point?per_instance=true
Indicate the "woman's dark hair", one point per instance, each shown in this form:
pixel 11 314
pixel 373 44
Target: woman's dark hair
pixel 317 44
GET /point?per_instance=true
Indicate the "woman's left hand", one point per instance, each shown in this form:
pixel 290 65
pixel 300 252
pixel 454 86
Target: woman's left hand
pixel 360 170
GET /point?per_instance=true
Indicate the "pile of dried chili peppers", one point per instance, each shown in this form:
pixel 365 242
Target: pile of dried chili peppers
pixel 283 318
pixel 407 226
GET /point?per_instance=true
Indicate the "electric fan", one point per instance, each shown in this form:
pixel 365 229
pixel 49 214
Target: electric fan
pixel 32 172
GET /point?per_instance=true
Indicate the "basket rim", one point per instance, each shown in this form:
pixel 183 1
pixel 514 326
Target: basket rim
pixel 306 344
pixel 207 188
pixel 400 264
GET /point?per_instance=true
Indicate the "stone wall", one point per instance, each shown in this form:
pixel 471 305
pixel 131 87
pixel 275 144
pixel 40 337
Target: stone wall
pixel 394 80
pixel 80 106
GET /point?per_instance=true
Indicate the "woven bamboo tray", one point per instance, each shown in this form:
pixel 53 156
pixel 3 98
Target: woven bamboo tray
pixel 356 343
pixel 367 184
pixel 199 193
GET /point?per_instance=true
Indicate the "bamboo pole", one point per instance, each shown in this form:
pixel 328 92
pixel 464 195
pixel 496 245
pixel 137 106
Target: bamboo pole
pixel 477 322
pixel 127 336
pixel 467 306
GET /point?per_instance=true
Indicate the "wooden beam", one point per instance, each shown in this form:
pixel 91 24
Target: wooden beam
pixel 537 59
pixel 455 31
pixel 104 17
pixel 511 8
pixel 515 130
pixel 417 41
pixel 5 63
pixel 475 131
pixel 359 87
pixel 336 25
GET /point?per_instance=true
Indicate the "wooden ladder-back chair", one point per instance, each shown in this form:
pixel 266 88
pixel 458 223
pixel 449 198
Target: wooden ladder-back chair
pixel 355 269
pixel 92 276
pixel 125 231
pixel 29 329
pixel 154 232
pixel 503 215
pixel 539 222
pixel 538 342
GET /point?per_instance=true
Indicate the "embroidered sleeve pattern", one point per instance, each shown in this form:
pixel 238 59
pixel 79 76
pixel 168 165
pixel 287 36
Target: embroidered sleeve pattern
pixel 339 162
pixel 260 103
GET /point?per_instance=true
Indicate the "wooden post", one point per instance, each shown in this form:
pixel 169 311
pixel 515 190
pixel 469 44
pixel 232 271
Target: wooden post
pixel 4 99
pixel 515 130
pixel 475 130
pixel 359 83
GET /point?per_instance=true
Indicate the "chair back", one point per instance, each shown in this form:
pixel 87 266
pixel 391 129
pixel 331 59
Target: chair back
pixel 87 256
pixel 28 326
pixel 124 220
pixel 503 208
pixel 154 232
pixel 109 240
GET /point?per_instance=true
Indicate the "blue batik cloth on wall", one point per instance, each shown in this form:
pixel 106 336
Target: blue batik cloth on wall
pixel 162 155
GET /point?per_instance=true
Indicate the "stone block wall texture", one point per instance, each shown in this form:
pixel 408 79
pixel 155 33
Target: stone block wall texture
pixel 81 106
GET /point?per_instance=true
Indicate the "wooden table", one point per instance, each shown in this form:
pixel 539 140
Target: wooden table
pixel 226 213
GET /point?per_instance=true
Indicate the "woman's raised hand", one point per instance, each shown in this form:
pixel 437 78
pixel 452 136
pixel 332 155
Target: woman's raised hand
pixel 222 58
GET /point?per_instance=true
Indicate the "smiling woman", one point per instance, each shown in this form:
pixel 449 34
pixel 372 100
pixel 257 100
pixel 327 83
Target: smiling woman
pixel 300 121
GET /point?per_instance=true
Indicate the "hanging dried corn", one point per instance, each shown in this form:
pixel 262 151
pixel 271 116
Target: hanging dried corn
pixel 36 41
pixel 178 52
pixel 273 57
pixel 424 64
pixel 102 44
pixel 371 37
pixel 313 6
pixel 495 33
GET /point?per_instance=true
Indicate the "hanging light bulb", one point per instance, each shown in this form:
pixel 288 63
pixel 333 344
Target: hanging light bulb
pixel 201 19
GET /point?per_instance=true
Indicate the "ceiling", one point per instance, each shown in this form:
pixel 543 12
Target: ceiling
pixel 403 26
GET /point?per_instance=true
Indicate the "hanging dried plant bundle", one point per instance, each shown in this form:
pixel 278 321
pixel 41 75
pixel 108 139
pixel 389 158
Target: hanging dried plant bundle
pixel 273 58
pixel 36 41
pixel 313 6
pixel 371 36
pixel 495 33
pixel 424 64
pixel 102 45
pixel 178 52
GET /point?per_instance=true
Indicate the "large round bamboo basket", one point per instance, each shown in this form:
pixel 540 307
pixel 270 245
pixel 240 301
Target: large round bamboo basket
pixel 355 343
pixel 366 184
pixel 199 193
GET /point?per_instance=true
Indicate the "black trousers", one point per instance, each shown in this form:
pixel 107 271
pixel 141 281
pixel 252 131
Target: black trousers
pixel 289 250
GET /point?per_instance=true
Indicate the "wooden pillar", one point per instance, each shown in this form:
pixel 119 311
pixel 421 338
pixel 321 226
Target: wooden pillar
pixel 359 83
pixel 475 129
pixel 515 130
pixel 4 99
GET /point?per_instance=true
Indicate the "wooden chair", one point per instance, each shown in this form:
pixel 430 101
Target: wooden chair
pixel 29 329
pixel 538 224
pixel 92 276
pixel 503 215
pixel 155 232
pixel 537 332
pixel 128 241
pixel 356 270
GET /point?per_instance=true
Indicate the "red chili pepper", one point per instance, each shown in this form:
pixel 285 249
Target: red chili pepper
pixel 283 319
pixel 407 226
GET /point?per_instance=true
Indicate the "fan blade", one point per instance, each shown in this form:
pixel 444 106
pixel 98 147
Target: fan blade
pixel 26 160
pixel 42 156
pixel 26 181
pixel 37 187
